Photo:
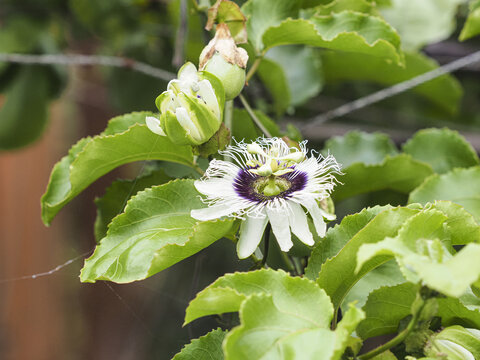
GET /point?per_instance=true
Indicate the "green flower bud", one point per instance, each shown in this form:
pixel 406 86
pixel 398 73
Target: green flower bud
pixel 191 108
pixel 225 60
pixel 454 343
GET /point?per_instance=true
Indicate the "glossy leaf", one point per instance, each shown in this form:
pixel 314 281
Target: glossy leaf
pixel 445 91
pixel 275 80
pixel 228 293
pixel 208 347
pixel 112 203
pixel 337 237
pixel 338 275
pixel 346 31
pixel 125 140
pixel 360 147
pixel 443 149
pixel 472 25
pixel 460 186
pixel 155 232
pixel 399 173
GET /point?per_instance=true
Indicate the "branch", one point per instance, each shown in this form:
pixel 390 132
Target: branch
pixel 87 60
pixel 392 91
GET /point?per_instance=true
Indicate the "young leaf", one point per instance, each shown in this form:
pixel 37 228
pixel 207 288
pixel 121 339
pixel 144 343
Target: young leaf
pixel 360 147
pixel 443 149
pixel 345 31
pixel 462 226
pixel 444 91
pixel 269 332
pixel 92 158
pixel 228 293
pixel 399 173
pixel 337 237
pixel 337 276
pixel 112 203
pixel 208 347
pixel 460 186
pixel 422 256
pixel 472 25
pixel 155 232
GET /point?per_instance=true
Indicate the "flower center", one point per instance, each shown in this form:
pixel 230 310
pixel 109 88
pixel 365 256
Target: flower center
pixel 271 185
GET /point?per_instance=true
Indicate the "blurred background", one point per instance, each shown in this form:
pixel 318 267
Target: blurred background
pixel 45 109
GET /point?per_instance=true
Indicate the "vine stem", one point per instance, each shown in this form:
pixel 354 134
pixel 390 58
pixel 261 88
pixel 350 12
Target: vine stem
pixel 254 68
pixel 254 117
pixel 397 339
pixel 228 120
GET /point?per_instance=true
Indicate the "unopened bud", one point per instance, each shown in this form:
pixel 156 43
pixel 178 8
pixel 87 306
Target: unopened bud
pixel 222 58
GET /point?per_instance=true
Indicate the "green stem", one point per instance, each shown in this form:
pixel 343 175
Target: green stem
pixel 267 244
pixel 397 339
pixel 254 68
pixel 254 117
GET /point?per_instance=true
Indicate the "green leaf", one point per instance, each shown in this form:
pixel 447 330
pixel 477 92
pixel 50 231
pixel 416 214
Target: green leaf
pixel 263 14
pixel 155 232
pixel 399 173
pixel 337 237
pixel 422 256
pixel 245 129
pixel 453 312
pixel 337 275
pixel 228 293
pixel 92 158
pixel 346 31
pixel 357 146
pixel 384 309
pixel 422 22
pixel 386 306
pixel 443 149
pixel 269 332
pixel 472 25
pixel 462 226
pixel 445 91
pixel 24 113
pixel 335 6
pixel 460 186
pixel 208 347
pixel 387 274
pixel 275 80
pixel 112 203
pixel 301 68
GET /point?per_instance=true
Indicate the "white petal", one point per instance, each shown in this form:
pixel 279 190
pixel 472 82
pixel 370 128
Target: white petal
pixel 208 94
pixel 251 232
pixel 188 72
pixel 216 211
pixel 317 216
pixel 187 123
pixel 279 221
pixel 214 187
pixel 298 223
pixel 154 125
pixel 326 215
